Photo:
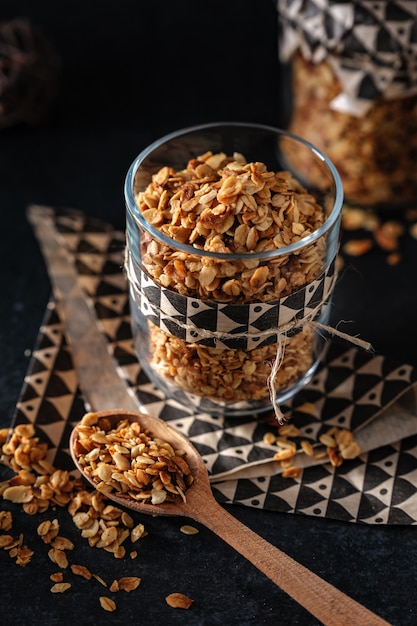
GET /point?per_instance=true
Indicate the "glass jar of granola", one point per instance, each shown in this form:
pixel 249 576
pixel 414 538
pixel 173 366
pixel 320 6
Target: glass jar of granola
pixel 230 262
pixel 353 79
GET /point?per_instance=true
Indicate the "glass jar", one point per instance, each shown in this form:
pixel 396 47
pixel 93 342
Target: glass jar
pixel 353 83
pixel 230 263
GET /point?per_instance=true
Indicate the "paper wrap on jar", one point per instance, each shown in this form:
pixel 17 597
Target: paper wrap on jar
pixel 224 325
pixel 371 46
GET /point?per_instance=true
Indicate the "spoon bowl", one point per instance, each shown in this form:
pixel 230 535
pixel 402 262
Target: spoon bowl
pixel 198 495
pixel 331 606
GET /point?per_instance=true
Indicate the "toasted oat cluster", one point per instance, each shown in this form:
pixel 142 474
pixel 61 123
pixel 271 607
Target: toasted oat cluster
pixel 178 601
pixel 375 153
pixel 38 486
pixel 226 205
pixel 229 375
pixel 130 462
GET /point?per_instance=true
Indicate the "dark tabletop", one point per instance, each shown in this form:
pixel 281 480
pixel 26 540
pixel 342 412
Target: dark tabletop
pixel 131 72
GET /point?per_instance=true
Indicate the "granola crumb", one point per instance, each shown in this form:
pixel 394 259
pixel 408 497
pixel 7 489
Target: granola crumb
pixel 179 601
pixel 60 587
pixel 107 604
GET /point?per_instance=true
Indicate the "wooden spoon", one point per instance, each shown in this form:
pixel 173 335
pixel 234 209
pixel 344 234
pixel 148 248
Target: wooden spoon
pixel 321 599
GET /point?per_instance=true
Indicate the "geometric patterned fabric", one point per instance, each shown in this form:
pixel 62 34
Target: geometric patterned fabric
pixel 366 393
pixel 371 46
pixel 225 325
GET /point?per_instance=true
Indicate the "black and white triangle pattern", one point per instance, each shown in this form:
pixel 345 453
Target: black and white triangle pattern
pixel 243 326
pixel 372 44
pixel 349 389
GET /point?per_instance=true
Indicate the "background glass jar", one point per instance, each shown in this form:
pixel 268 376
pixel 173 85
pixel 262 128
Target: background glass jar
pixel 350 88
pixel 229 264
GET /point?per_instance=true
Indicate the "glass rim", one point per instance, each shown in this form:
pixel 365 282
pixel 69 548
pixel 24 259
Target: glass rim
pixel 266 254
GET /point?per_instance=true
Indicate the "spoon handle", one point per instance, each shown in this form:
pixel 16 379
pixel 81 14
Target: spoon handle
pixel 331 606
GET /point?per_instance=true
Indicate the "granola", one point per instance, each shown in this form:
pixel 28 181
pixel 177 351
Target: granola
pixel 374 153
pixel 336 444
pixel 105 525
pixel 223 204
pixel 101 524
pixel 130 462
pixel 179 601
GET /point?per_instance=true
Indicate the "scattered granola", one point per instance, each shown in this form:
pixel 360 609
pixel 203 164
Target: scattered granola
pixel 292 472
pixel 127 583
pixel 58 557
pixel 6 520
pixel 307 447
pixel 358 247
pixel 81 570
pixel 107 604
pixel 60 587
pixel 104 526
pixel 223 204
pixel 5 541
pixel 130 462
pixel 100 580
pixel 369 231
pixel 336 444
pixel 17 549
pixel 186 529
pixel 179 601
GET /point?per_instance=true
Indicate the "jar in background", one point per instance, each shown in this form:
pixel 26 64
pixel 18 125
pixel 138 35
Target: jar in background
pixel 230 262
pixel 353 83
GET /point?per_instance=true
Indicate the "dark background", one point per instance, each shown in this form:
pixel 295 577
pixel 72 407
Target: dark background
pixel 131 71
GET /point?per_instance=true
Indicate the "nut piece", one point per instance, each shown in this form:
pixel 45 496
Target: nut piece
pixel 60 587
pixel 292 472
pixel 189 530
pixel 327 440
pixel 18 494
pixel 357 247
pixel 179 601
pixel 128 583
pixel 5 540
pixel 58 557
pixel 107 604
pixel 81 570
pixel 283 455
pixel 289 430
pixel 269 438
pixel 307 447
pixel 100 580
pixel 6 520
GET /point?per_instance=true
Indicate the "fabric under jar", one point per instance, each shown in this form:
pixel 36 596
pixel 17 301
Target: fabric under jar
pixel 352 72
pixel 230 262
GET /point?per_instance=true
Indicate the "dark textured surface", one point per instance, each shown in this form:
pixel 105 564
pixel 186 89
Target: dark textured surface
pixel 132 71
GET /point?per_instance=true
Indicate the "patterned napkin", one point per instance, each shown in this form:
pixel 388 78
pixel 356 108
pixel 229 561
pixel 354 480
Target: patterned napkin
pixel 370 46
pixel 352 389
